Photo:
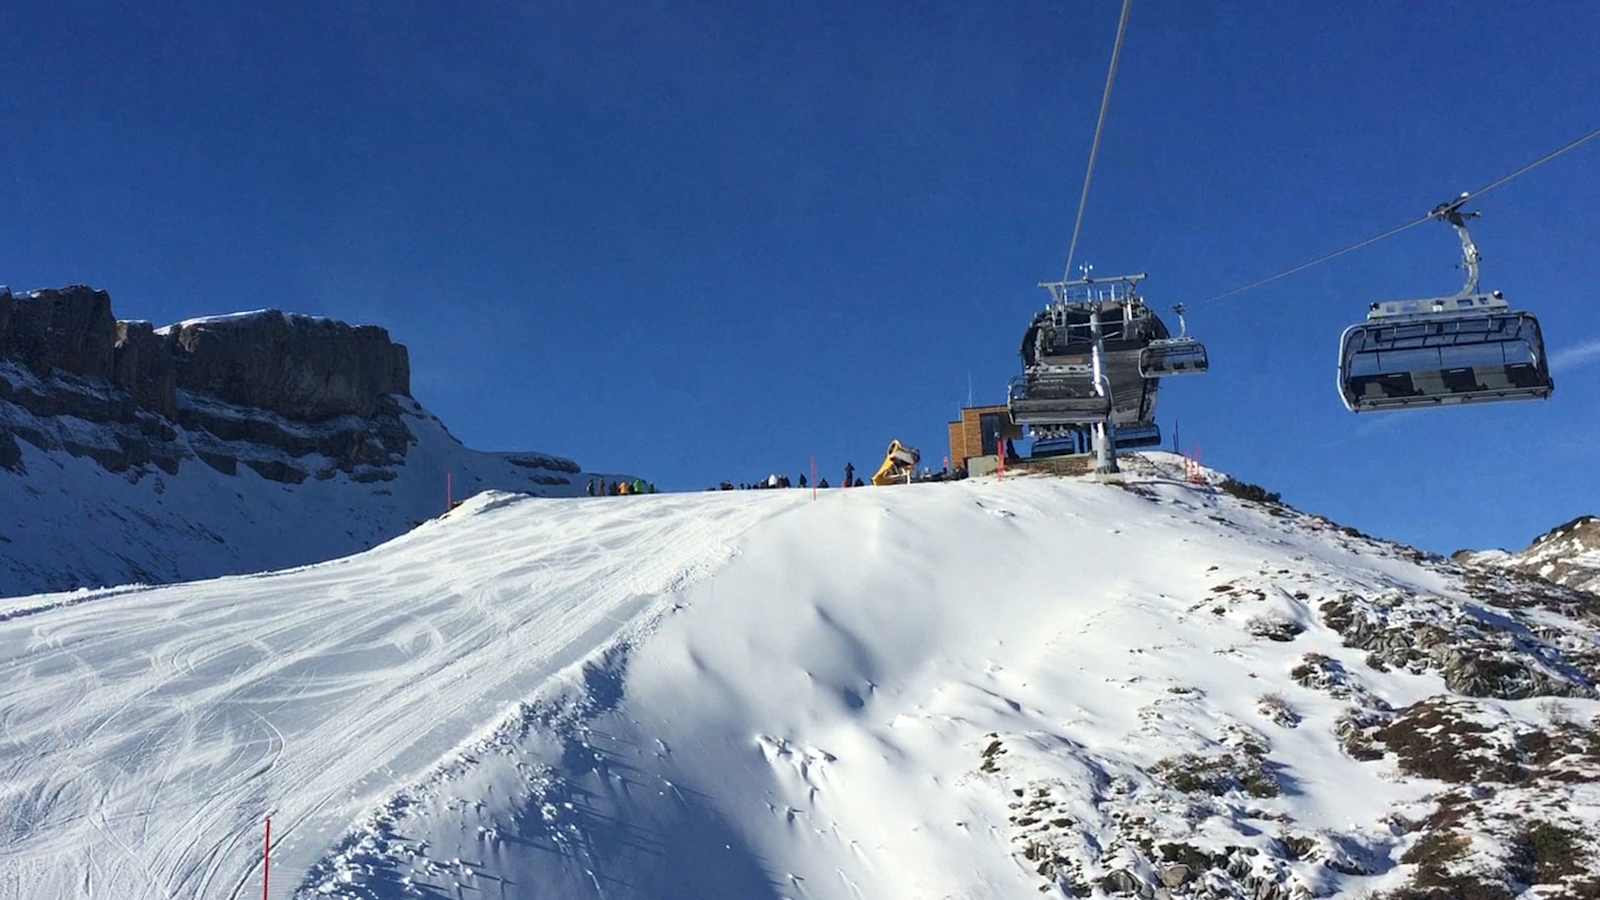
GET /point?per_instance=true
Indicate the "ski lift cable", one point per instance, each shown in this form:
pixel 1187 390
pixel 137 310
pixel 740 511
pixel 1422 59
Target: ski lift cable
pixel 1493 185
pixel 1099 128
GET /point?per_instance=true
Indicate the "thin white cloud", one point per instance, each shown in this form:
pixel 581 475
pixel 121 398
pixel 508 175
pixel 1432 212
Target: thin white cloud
pixel 1579 355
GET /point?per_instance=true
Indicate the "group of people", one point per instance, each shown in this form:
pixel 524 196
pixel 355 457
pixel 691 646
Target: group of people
pixel 782 481
pixel 622 487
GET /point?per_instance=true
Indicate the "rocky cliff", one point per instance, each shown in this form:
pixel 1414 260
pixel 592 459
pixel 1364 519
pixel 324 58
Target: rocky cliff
pixel 68 356
pixel 103 421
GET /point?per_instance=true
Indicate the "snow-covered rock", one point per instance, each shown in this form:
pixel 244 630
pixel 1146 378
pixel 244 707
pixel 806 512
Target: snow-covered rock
pixel 1036 687
pixel 1568 555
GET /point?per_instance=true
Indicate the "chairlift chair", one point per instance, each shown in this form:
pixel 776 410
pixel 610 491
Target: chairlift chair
pixel 1468 348
pixel 1181 355
pixel 1065 397
pixel 1144 434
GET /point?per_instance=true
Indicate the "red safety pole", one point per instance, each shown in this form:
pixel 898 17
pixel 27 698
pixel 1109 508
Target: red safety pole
pixel 266 860
pixel 449 491
pixel 1000 466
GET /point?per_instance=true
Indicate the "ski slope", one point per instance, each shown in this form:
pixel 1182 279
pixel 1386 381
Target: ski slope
pixel 144 734
pixel 1033 687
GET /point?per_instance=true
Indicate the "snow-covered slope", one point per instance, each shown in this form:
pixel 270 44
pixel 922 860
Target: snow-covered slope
pixel 68 521
pixel 1041 687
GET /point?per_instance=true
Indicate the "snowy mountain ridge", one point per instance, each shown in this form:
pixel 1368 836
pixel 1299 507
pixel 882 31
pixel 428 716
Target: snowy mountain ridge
pixel 1568 555
pixel 1037 687
pixel 220 444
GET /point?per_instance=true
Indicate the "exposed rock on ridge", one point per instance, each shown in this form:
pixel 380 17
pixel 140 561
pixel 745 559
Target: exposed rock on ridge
pixel 1567 555
pixel 249 387
pixel 300 367
pixel 304 368
pixel 213 446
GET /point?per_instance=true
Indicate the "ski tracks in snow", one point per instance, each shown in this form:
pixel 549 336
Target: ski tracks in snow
pixel 144 736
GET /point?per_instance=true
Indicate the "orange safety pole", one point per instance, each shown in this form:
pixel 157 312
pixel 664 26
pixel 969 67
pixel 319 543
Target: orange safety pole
pixel 266 860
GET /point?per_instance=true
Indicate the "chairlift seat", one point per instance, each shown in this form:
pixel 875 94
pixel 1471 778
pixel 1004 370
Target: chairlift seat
pixel 1145 434
pixel 1174 356
pixel 1056 400
pixel 1448 351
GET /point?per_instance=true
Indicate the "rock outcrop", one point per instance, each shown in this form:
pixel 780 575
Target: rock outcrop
pixel 304 368
pixel 290 384
pixel 301 367
pixel 70 330
pixel 143 367
pixel 1567 555
pixel 223 444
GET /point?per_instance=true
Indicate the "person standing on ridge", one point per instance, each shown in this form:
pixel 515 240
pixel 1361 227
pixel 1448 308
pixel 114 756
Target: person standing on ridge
pixel 849 474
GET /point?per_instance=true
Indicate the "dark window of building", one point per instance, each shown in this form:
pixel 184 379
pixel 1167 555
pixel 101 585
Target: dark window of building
pixel 989 425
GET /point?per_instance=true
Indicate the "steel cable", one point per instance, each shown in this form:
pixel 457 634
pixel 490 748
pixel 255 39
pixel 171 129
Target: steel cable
pixel 1099 128
pixel 1565 148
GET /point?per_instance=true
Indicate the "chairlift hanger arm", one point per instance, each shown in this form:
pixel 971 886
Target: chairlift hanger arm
pixel 1450 211
pixel 1493 185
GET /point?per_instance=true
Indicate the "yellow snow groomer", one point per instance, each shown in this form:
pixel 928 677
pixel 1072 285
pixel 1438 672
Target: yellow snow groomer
pixel 898 464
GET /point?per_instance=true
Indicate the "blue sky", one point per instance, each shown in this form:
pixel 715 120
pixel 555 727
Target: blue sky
pixel 707 241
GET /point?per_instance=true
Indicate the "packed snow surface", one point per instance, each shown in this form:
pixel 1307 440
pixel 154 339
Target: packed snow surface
pixel 940 690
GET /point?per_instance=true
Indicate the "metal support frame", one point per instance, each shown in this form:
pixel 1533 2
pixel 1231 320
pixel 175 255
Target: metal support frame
pixel 1450 211
pixel 1095 292
pixel 1105 444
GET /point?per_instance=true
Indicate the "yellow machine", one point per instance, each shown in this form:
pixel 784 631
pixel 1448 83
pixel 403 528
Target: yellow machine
pixel 898 464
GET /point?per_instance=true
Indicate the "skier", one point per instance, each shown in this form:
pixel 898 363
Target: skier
pixel 589 488
pixel 849 474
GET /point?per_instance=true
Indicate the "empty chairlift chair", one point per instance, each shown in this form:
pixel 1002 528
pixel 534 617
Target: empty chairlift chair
pixel 1469 348
pixel 1143 434
pixel 1057 397
pixel 1182 355
pixel 1416 353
